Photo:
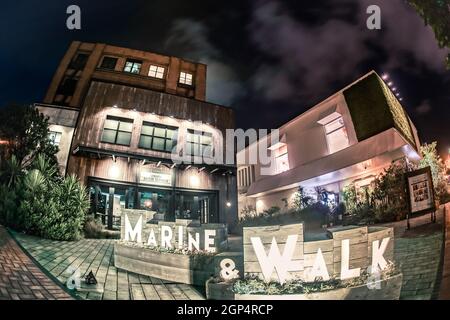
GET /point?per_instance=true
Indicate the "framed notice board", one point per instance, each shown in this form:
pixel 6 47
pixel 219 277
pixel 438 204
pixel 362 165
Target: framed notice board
pixel 420 190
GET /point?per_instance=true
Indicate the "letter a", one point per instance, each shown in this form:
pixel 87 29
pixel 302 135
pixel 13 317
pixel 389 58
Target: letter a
pixel 319 268
pixel 374 20
pixel 74 20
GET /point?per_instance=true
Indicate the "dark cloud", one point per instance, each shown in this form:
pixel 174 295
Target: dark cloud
pixel 191 40
pixel 307 60
pixel 423 108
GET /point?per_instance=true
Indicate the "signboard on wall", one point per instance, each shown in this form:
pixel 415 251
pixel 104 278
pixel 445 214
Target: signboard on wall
pixel 155 176
pixel 420 191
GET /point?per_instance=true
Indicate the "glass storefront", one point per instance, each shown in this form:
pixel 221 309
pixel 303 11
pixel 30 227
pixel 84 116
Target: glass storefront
pixel 107 200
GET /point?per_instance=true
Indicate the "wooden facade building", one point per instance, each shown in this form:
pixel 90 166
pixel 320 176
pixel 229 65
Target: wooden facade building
pixel 139 113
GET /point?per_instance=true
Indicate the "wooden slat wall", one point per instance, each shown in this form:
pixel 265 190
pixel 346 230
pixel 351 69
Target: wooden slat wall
pixel 266 234
pixel 358 248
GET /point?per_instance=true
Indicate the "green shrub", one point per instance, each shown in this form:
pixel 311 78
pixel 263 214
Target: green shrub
pixel 93 228
pixel 53 210
pixel 272 211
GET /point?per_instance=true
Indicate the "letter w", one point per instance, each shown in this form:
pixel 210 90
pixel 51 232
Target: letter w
pixel 282 263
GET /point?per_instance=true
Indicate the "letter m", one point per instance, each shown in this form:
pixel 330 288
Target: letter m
pixel 282 263
pixel 133 233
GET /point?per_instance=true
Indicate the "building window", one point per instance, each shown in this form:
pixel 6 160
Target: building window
pixel 133 66
pixel 156 72
pixel 158 137
pixel 79 62
pixel 67 86
pixel 55 137
pixel 337 137
pixel 199 144
pixel 282 163
pixel 109 63
pixel 117 130
pixel 186 78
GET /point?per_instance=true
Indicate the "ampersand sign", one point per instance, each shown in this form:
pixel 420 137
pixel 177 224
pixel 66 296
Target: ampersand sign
pixel 228 269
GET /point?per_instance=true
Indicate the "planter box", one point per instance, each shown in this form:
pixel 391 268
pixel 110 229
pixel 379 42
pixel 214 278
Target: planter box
pixel 390 290
pixel 189 269
pixel 219 291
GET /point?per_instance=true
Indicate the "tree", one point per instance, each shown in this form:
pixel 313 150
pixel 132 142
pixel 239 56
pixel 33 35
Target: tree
pixel 430 158
pixel 436 14
pixel 26 131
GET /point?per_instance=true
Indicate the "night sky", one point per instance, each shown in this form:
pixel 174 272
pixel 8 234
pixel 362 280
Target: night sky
pixel 269 60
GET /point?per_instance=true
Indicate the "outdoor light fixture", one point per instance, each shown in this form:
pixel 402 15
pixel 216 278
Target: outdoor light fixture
pixel 390 83
pixel 385 76
pixel 158 164
pixel 228 204
pixel 114 171
pixel 394 89
pixel 401 99
pixel 188 167
pixel 173 165
pixel 216 169
pixel 195 181
pixel 115 106
pixel 201 169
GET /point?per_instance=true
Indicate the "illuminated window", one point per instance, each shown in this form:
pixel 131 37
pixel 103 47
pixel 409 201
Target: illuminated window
pixel 133 66
pixel 158 137
pixel 186 78
pixel 156 72
pixel 109 63
pixel 199 143
pixel 117 130
pixel 55 137
pixel 337 137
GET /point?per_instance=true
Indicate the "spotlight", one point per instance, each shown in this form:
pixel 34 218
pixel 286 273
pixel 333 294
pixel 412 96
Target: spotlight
pixel 390 83
pixel 385 76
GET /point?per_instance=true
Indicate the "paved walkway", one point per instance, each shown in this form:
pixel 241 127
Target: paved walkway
pixel 97 255
pixel 418 253
pixel 444 293
pixel 20 278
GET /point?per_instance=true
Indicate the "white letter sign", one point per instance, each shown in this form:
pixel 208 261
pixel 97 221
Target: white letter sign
pixel 274 260
pixel 346 272
pixel 377 255
pixel 131 233
pixel 319 268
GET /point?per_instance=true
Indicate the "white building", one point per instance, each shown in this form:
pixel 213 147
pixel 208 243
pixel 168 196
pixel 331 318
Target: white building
pixel 349 137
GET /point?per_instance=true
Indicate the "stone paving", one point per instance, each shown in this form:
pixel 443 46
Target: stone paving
pixel 444 290
pixel 418 252
pixel 20 278
pixel 97 255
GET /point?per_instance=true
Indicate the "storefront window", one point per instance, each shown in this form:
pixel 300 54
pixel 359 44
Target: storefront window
pixel 155 200
pixel 196 206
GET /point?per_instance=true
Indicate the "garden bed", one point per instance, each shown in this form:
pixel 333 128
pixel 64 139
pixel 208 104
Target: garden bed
pixel 193 269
